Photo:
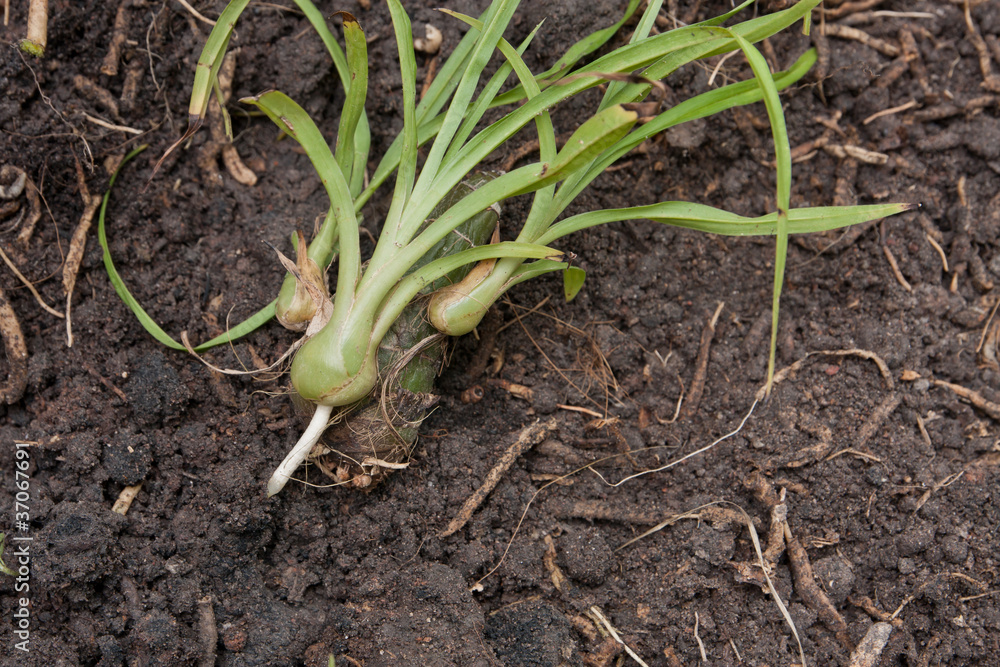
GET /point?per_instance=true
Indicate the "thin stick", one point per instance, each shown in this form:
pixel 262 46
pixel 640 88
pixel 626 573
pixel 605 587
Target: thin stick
pixel 195 13
pixel 111 126
pixel 528 438
pixel 889 112
pixel 125 499
pixel 895 269
pixel 596 612
pixel 701 366
pixel 847 32
pixel 975 398
pixel 29 285
pixel 586 411
pixel 685 457
pixel 940 252
pixel 17 353
pixel 854 452
pixel 38 28
pixel 980 595
pixel 77 244
pixel 986 328
pixel 701 644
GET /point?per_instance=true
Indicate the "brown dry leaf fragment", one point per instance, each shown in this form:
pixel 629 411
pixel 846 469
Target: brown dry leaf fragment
pixel 549 561
pixel 17 353
pixel 77 244
pixel 514 389
pixel 870 648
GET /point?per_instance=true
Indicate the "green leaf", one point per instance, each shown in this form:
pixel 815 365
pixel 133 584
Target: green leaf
pixel 702 218
pixel 573 278
pixel 783 162
pixel 294 120
pixel 357 90
pixel 584 47
pixel 362 135
pixel 207 71
pixel 590 139
pixel 406 173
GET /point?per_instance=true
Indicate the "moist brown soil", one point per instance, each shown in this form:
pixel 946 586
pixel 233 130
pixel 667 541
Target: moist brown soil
pixel 890 483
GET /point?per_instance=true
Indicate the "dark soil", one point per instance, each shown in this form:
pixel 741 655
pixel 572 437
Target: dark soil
pixel 890 484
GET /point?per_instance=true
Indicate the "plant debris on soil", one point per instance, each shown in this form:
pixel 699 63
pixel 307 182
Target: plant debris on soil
pixel 871 477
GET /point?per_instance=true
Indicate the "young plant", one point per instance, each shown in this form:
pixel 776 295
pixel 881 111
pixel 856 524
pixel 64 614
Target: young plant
pixel 345 356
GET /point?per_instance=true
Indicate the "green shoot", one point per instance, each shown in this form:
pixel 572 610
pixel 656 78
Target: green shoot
pixel 340 361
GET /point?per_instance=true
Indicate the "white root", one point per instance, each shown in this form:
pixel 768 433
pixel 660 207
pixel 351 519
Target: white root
pixel 301 450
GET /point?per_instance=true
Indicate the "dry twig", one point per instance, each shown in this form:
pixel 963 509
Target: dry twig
pixel 529 437
pixel 847 32
pixel 17 353
pixel 895 269
pixel 71 267
pixel 975 398
pixel 701 366
pixel 991 82
pixel 119 33
pixel 125 499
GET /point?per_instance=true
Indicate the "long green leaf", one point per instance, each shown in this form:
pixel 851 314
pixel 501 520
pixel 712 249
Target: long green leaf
pixel 354 104
pixel 584 47
pixel 703 105
pixel 485 99
pixel 783 162
pixel 488 40
pixel 702 218
pixel 295 121
pixel 362 135
pixel 407 171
